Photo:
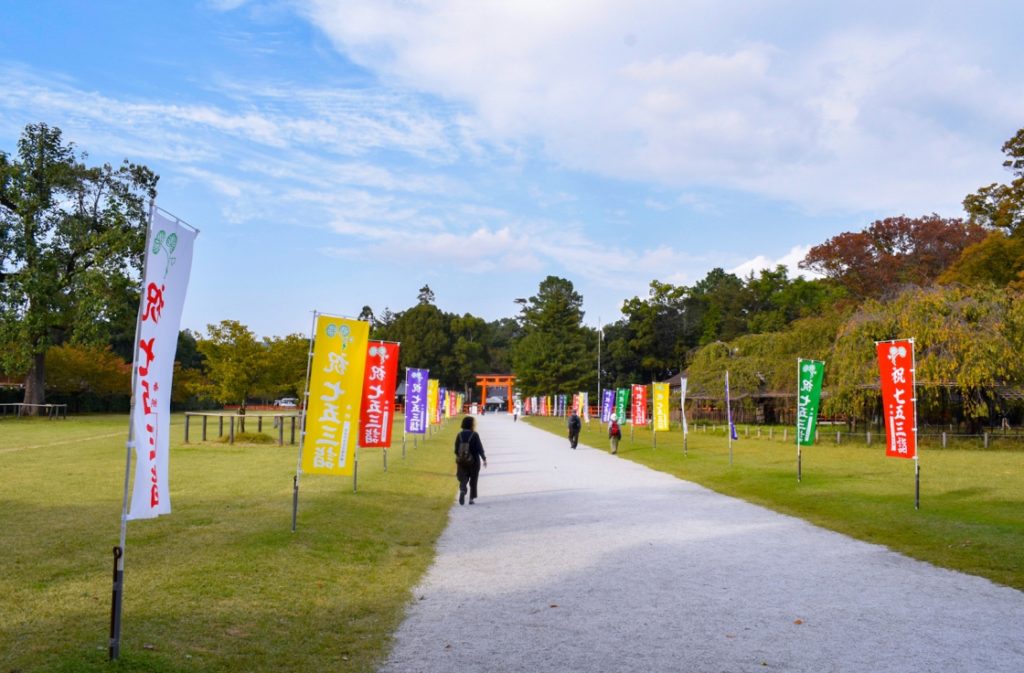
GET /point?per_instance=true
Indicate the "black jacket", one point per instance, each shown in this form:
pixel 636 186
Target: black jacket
pixel 476 447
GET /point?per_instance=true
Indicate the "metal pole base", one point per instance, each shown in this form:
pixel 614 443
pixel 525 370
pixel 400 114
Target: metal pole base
pixel 115 606
pixel 295 500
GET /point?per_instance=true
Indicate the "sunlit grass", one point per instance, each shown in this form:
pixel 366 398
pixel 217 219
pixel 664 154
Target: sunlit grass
pixel 972 501
pixel 220 584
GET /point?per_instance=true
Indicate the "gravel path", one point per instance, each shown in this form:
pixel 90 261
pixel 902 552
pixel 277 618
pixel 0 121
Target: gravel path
pixel 580 561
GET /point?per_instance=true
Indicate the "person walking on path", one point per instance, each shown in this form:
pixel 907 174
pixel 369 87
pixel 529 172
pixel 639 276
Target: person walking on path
pixel 614 434
pixel 574 429
pixel 469 454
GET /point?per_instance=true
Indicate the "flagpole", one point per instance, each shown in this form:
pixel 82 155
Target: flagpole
pixel 118 587
pixel 302 424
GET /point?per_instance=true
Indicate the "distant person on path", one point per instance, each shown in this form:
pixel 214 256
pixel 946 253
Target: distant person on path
pixel 469 453
pixel 574 429
pixel 614 434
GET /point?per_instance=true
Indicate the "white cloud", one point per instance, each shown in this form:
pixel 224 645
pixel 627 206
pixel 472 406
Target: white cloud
pixel 341 123
pixel 852 112
pixel 790 260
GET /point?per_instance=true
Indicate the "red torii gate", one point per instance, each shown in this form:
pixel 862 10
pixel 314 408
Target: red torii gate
pixel 496 381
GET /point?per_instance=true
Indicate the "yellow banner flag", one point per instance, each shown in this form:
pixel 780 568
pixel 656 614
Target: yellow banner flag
pixel 661 407
pixel 432 394
pixel 335 387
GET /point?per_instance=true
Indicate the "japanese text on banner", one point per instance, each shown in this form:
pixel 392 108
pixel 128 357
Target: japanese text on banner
pixel 335 389
pixel 607 404
pixel 895 365
pixel 661 419
pixel 808 401
pixel 433 398
pixel 639 404
pixel 416 400
pixel 168 264
pixel 378 399
pixel 621 402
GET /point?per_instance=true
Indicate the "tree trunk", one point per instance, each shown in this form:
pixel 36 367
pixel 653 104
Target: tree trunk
pixel 35 384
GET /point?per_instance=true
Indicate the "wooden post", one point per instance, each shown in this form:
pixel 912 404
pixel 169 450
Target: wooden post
pixel 186 427
pixel 205 418
pixel 231 437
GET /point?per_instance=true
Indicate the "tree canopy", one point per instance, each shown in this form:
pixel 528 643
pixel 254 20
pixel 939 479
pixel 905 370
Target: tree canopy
pixel 892 253
pixel 998 205
pixel 555 353
pixel 71 240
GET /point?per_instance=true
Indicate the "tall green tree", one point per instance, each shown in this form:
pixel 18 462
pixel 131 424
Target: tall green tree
pixel 556 353
pixel 425 334
pixel 719 299
pixel 504 332
pixel 999 205
pixel 286 361
pixel 71 242
pixel 236 363
pixel 998 261
pixel 652 343
pixel 471 339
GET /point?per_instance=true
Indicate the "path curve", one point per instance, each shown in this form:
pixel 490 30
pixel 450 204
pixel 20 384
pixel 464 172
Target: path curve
pixel 580 561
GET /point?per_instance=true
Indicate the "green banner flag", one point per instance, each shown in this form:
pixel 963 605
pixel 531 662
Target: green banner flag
pixel 621 401
pixel 810 374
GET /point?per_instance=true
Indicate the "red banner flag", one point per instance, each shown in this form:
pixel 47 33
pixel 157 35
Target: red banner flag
pixel 639 404
pixel 899 403
pixel 377 409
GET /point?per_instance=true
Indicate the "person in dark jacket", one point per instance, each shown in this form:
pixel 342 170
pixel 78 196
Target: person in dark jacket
pixel 574 429
pixel 469 473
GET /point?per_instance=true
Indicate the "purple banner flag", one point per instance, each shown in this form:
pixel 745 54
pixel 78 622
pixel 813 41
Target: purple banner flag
pixel 416 401
pixel 607 405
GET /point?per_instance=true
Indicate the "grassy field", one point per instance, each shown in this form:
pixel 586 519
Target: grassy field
pixel 221 584
pixel 972 501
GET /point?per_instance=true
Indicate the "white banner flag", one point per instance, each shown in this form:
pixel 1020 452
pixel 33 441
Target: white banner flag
pixel 168 263
pixel 682 402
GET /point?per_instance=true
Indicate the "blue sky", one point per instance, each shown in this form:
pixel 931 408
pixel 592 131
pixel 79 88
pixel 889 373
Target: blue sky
pixel 336 154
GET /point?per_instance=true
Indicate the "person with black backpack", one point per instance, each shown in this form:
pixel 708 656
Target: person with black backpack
pixel 574 429
pixel 469 453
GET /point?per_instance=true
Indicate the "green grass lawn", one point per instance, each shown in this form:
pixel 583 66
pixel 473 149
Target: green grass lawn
pixel 220 584
pixel 972 501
